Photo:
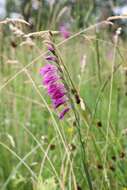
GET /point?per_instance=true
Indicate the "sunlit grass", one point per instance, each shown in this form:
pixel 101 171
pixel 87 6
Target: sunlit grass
pixel 37 151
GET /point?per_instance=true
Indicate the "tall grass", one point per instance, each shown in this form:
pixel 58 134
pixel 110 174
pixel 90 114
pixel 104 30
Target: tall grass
pixel 37 150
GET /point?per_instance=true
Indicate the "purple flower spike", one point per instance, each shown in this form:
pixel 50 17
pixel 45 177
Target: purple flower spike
pixel 64 32
pixel 55 88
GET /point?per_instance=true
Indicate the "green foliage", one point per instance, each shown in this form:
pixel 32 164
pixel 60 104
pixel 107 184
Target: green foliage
pixel 48 184
pixel 39 152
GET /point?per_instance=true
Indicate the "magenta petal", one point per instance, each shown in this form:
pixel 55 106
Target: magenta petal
pixel 50 58
pixel 58 95
pixel 64 32
pixel 62 114
pixel 50 79
pixel 47 68
pixel 50 48
pixel 59 102
pixel 51 89
pixel 55 88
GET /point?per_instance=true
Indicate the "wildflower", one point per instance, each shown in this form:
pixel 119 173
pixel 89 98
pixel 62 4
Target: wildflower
pixel 50 47
pixel 55 88
pixel 52 146
pixel 72 147
pixel 122 155
pixel 99 124
pixel 112 168
pixel 64 112
pixel 64 32
pixel 114 158
pixel 50 58
pixel 99 166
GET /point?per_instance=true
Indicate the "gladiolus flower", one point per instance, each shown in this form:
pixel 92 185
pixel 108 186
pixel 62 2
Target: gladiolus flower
pixel 55 88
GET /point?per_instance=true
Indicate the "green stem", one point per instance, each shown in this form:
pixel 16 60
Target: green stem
pixel 82 149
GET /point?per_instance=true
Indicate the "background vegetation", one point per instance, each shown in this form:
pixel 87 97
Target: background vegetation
pixel 37 151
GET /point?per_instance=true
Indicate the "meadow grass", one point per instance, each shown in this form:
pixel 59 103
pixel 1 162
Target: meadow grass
pixel 40 152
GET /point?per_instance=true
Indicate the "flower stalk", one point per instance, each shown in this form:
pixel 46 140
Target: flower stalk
pixel 57 81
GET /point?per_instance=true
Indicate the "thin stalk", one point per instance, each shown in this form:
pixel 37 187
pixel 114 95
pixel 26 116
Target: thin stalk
pixel 109 108
pixel 78 126
pixel 83 157
pixel 14 171
pixel 42 54
pixel 98 58
pixel 20 159
pixel 82 149
pixel 101 91
pixel 60 58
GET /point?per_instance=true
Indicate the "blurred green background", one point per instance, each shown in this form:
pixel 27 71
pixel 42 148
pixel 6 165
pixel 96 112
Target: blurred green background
pixel 28 132
pixel 49 14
